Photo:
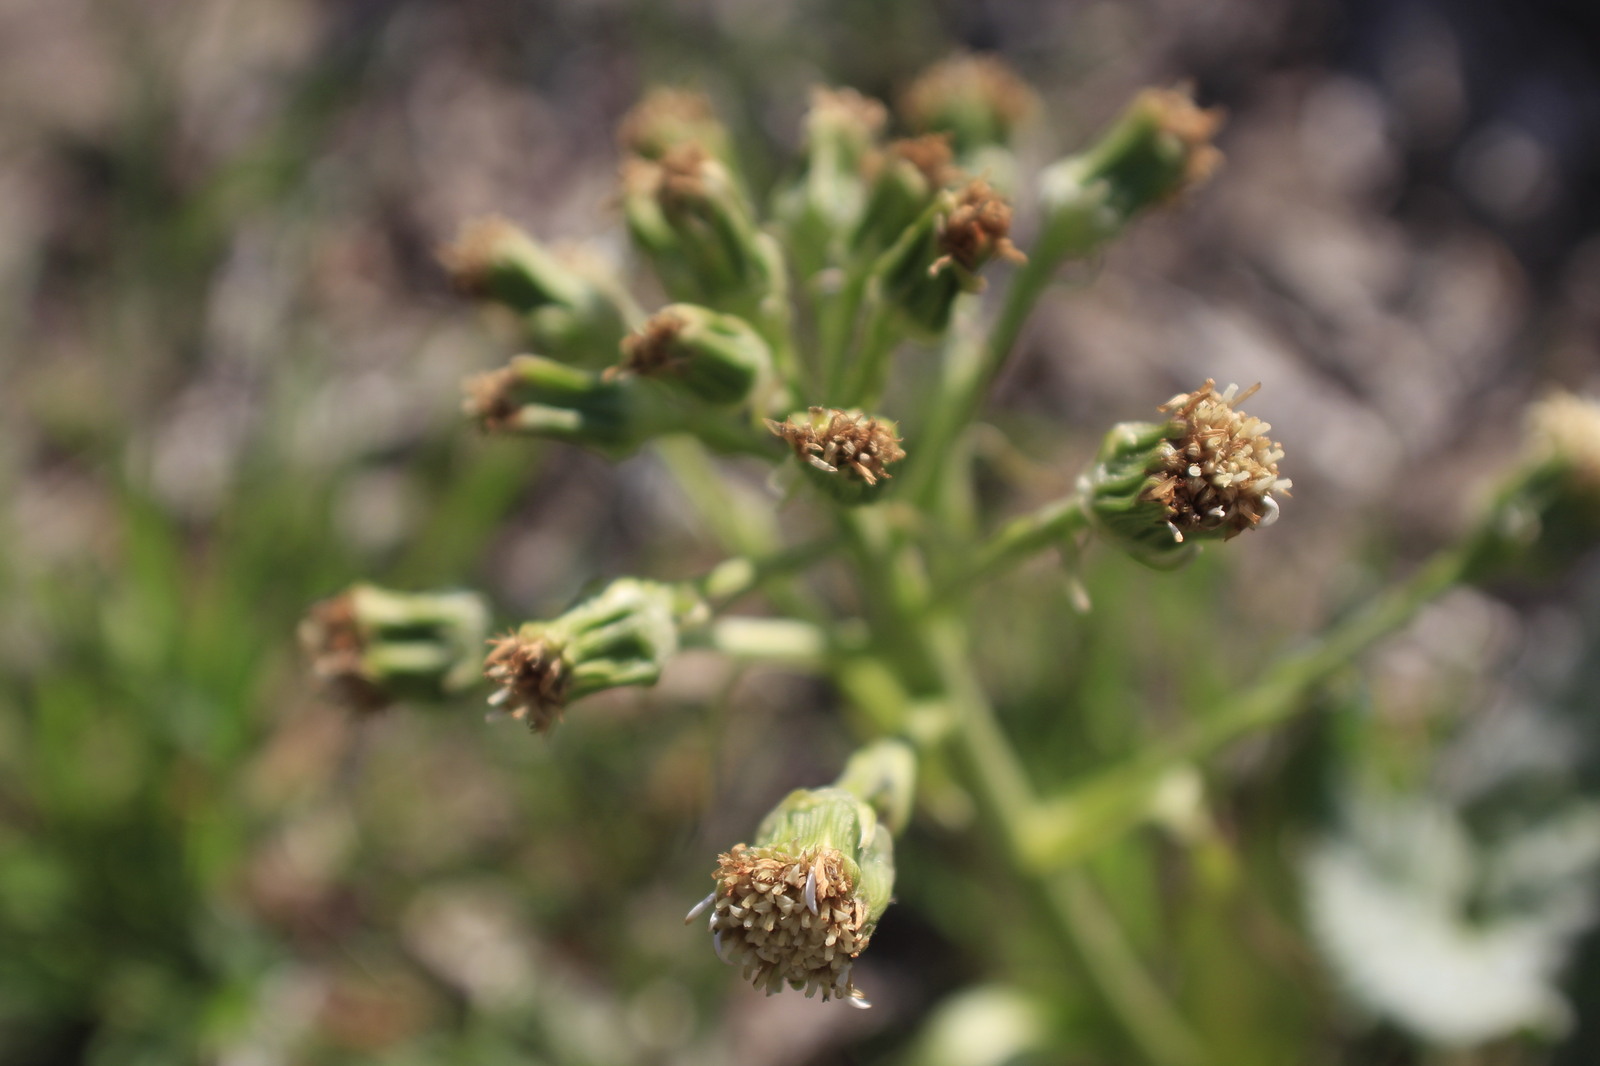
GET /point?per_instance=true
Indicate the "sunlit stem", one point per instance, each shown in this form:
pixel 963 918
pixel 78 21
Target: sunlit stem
pixel 1114 801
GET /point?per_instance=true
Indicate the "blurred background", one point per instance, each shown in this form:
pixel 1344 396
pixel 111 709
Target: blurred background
pixel 229 368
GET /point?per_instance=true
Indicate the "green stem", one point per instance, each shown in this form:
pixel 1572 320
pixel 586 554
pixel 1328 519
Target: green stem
pixel 1077 227
pixel 1056 523
pixel 1083 922
pixel 1116 800
pixel 733 578
pixel 838 331
pixel 921 640
pixel 781 640
pixel 870 370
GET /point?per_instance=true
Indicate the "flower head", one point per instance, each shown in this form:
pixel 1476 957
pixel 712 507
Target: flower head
pixel 976 229
pixel 371 646
pixel 669 118
pixel 1217 471
pixel 717 358
pixel 800 905
pixel 1208 472
pixel 977 99
pixel 533 676
pixel 622 636
pixel 332 636
pixel 853 451
pixel 786 918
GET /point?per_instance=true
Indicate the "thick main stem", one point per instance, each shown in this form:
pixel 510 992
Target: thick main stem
pixel 919 642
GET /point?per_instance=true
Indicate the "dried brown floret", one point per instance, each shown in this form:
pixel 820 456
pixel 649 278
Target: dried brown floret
pixel 833 440
pixel 533 676
pixel 789 919
pixel 1219 471
pixel 490 398
pixel 471 257
pixel 653 348
pixel 331 636
pixel 977 230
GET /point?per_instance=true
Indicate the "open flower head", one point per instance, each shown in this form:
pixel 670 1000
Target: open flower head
pixel 848 452
pixel 1209 472
pixel 1218 471
pixel 800 906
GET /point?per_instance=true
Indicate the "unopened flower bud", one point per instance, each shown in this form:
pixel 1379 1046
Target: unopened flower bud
pixel 1160 148
pixel 569 308
pixel 718 358
pixel 1548 513
pixel 370 646
pixel 978 100
pixel 845 453
pixel 939 258
pixel 686 213
pixel 543 398
pixel 666 119
pixel 821 210
pixel 1209 472
pixel 799 906
pixel 623 636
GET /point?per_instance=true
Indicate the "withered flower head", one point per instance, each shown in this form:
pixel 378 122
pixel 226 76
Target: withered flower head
pixel 1217 471
pixel 479 247
pixel 977 98
pixel 371 646
pixel 654 348
pixel 533 675
pixel 331 636
pixel 1193 127
pixel 789 918
pixel 489 399
pixel 847 442
pixel 668 118
pixel 976 230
